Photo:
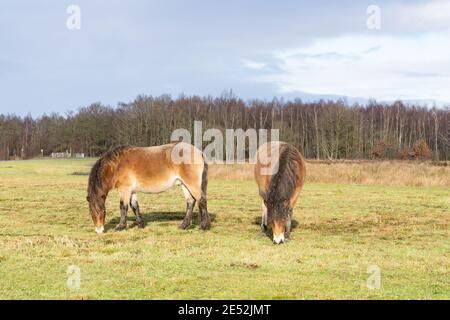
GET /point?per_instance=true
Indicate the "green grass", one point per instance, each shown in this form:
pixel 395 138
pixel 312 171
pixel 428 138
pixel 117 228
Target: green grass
pixel 341 230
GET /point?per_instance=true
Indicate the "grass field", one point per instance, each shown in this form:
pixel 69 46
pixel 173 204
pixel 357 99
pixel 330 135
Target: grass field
pixel 340 230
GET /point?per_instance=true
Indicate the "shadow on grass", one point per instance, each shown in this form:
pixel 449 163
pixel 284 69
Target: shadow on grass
pixel 79 173
pixel 161 216
pixel 390 223
pixel 335 226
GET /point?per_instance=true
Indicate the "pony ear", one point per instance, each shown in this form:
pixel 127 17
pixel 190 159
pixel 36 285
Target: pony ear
pixel 88 199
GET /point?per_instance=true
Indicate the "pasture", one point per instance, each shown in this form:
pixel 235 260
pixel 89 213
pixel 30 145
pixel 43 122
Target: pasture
pixel 350 216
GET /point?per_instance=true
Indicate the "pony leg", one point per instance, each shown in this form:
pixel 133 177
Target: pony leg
pixel 199 195
pixel 189 208
pixel 263 217
pixel 287 232
pixel 135 206
pixel 124 200
pixel 205 220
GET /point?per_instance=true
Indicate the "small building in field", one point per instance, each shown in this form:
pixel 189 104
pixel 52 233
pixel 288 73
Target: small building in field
pixel 67 154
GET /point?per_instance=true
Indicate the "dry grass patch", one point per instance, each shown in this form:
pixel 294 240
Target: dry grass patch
pixel 391 173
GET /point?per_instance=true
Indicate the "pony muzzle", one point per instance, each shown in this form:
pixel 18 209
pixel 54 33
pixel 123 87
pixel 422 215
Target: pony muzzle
pixel 278 227
pixel 100 229
pixel 277 239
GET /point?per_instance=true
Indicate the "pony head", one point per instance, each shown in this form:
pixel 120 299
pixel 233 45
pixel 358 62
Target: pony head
pixel 279 219
pixel 97 210
pixel 96 197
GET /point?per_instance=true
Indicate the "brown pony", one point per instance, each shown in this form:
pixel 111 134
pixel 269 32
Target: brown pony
pixel 150 170
pixel 280 175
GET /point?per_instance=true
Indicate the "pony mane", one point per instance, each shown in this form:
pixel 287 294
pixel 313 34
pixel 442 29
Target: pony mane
pixel 284 181
pixel 108 160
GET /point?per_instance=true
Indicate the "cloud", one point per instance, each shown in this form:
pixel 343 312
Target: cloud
pixel 253 64
pixel 287 45
pixel 382 67
pixel 428 15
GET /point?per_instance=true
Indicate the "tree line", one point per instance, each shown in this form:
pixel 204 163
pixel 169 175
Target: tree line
pixel 321 130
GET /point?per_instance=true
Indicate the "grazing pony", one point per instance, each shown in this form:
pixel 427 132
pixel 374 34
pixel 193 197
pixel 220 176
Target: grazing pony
pixel 280 174
pixel 151 170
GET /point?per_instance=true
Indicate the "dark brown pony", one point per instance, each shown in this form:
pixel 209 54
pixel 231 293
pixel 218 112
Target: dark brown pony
pixel 280 174
pixel 150 170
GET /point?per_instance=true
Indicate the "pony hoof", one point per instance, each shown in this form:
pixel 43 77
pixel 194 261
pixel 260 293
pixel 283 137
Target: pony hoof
pixel 141 225
pixel 184 226
pixel 205 226
pixel 120 227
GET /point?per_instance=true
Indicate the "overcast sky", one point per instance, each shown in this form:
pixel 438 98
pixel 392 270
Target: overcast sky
pixel 260 49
